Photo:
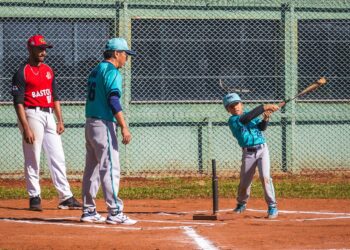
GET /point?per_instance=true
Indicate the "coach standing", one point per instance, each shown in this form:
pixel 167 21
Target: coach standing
pixel 35 99
pixel 103 110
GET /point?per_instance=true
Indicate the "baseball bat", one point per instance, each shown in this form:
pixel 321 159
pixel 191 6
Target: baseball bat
pixel 312 87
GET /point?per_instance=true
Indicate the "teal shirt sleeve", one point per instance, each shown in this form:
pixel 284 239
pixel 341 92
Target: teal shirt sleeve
pixel 114 82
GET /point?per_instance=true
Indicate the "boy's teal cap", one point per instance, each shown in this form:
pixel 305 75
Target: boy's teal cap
pixel 231 98
pixel 119 44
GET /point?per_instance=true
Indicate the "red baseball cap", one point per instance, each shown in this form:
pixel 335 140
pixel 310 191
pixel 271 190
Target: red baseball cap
pixel 38 41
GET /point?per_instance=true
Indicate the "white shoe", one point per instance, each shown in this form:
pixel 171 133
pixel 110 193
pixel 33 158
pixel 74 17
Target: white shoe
pixel 120 218
pixel 92 217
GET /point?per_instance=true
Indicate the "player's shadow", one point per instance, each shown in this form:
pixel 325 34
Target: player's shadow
pixel 27 209
pixel 51 220
pixel 14 208
pixel 257 217
pixel 158 212
pixel 129 212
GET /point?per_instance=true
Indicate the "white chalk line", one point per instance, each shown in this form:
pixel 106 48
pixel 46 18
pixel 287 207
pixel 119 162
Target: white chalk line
pixel 201 242
pixel 71 224
pixel 299 212
pixel 182 222
pixel 330 218
pixel 307 219
pixel 279 211
pixel 48 221
pixel 91 225
pixel 338 216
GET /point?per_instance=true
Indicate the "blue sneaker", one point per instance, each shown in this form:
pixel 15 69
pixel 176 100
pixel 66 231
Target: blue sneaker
pixel 272 212
pixel 240 208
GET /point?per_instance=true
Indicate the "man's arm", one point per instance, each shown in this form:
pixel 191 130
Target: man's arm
pixel 124 128
pixel 57 105
pixel 58 113
pixel 266 117
pixel 28 134
pixel 116 108
pixel 246 118
pixel 18 88
pixel 262 126
pixel 55 95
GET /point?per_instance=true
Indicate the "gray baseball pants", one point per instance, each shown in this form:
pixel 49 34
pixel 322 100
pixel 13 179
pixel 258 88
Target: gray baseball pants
pixel 251 160
pixel 102 164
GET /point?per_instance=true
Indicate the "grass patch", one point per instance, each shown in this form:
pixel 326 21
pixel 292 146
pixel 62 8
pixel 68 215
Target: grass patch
pixel 47 192
pixel 176 188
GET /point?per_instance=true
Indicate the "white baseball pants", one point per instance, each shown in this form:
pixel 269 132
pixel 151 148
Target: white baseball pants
pixel 43 126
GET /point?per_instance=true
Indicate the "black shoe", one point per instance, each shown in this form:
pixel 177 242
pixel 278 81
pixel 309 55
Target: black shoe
pixel 35 204
pixel 70 203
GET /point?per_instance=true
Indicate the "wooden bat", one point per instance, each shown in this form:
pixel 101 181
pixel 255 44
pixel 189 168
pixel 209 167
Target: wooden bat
pixel 312 87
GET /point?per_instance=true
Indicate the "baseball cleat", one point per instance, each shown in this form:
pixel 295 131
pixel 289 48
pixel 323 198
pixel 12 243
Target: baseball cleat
pixel 240 208
pixel 70 203
pixel 92 217
pixel 120 218
pixel 35 204
pixel 272 212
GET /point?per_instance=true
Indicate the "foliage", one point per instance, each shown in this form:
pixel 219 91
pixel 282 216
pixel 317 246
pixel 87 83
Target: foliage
pixel 191 188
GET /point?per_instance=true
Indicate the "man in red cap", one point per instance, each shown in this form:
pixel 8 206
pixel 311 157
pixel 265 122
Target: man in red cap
pixel 35 99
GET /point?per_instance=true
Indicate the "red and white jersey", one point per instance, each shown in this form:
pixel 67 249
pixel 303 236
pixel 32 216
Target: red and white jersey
pixel 34 86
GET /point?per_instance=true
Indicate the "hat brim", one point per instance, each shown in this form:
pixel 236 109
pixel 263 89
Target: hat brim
pixel 130 52
pixel 228 104
pixel 45 46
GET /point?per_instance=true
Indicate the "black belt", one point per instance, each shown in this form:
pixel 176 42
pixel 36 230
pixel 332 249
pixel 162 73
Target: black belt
pixel 254 148
pixel 48 110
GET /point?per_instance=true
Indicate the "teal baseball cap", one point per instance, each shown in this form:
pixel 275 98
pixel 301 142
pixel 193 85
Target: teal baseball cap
pixel 231 98
pixel 119 44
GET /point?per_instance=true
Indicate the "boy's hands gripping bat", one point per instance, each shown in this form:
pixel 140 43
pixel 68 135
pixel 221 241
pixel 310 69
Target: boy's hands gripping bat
pixel 312 87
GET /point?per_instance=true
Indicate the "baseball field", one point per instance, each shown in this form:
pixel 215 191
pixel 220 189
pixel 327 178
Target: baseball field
pixel 165 217
pixel 191 56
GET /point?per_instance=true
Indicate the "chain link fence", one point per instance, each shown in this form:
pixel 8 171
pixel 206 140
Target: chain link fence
pixel 265 50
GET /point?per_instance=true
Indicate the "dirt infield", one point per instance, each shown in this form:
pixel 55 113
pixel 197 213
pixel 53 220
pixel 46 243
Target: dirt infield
pixel 168 224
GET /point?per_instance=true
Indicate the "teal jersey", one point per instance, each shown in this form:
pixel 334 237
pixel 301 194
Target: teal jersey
pixel 104 79
pixel 247 135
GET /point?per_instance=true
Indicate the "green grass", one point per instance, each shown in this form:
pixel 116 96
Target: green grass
pixel 173 188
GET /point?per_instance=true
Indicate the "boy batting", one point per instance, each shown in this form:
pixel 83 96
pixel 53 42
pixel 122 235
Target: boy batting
pixel 247 128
